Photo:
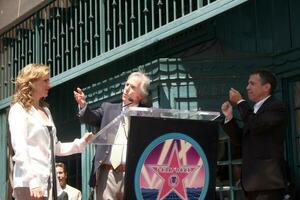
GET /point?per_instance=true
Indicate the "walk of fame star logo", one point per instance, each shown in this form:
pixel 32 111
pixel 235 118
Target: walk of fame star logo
pixel 173 175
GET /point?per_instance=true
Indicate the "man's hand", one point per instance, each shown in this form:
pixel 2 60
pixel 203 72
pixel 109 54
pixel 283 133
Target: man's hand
pixel 234 96
pixel 36 193
pixel 227 110
pixel 80 97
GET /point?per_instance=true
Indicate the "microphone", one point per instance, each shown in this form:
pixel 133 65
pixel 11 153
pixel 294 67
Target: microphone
pixel 130 99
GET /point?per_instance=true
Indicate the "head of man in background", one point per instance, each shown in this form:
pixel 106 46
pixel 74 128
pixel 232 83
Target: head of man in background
pixel 61 174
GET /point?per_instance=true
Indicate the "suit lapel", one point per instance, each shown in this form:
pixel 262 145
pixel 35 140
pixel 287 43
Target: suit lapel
pixel 118 109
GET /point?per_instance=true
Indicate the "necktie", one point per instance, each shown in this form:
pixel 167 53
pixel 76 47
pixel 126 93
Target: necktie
pixel 54 186
pixel 119 147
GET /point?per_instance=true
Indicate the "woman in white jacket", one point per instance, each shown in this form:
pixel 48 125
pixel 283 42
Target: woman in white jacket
pixel 29 118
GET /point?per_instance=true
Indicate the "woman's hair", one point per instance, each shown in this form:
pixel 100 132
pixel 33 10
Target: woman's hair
pixel 26 76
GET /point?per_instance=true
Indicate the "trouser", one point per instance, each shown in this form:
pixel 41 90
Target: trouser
pixel 109 184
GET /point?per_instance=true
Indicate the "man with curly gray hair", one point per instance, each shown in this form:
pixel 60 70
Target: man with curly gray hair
pixel 109 176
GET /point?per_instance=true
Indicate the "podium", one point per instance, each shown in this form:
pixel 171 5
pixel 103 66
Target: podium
pixel 171 154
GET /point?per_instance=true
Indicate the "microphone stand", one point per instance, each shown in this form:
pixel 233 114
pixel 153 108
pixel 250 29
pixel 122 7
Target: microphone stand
pixel 54 184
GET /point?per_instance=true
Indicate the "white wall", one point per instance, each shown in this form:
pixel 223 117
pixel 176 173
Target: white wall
pixel 10 10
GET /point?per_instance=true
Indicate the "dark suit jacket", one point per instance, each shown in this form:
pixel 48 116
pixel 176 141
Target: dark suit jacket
pixel 100 117
pixel 261 139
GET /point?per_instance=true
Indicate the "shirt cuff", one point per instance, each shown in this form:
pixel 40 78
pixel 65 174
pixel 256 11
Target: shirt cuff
pixel 80 144
pixel 81 110
pixel 34 183
pixel 227 120
pixel 240 101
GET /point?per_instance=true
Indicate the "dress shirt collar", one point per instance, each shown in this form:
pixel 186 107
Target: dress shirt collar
pixel 259 104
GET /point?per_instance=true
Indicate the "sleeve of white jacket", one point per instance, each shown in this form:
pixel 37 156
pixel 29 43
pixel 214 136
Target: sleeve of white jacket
pixel 19 133
pixel 68 148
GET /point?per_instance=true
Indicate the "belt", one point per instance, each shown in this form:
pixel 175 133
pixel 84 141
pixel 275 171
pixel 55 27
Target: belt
pixel 120 168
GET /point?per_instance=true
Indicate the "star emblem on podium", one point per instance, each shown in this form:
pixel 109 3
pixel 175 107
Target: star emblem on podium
pixel 173 175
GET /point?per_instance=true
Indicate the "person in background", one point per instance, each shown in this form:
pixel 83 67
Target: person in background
pixel 29 121
pixel 261 137
pixel 109 179
pixel 62 175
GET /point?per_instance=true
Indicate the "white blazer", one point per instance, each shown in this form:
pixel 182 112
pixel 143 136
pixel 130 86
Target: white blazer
pixel 73 193
pixel 31 144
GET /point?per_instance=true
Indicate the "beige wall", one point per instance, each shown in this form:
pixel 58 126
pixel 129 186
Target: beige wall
pixel 10 10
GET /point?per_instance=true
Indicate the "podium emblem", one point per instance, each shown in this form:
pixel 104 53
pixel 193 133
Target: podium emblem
pixel 173 166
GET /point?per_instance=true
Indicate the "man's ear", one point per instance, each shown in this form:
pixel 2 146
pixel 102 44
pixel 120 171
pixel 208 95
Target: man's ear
pixel 147 100
pixel 267 87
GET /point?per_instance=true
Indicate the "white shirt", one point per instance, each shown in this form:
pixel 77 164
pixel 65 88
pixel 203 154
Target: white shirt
pixel 125 123
pixel 257 106
pixel 31 144
pixel 73 193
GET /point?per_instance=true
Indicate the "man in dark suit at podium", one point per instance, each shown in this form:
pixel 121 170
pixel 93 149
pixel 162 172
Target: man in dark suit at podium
pixel 261 138
pixel 110 176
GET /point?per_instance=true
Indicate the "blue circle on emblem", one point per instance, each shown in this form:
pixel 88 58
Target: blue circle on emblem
pixel 173 166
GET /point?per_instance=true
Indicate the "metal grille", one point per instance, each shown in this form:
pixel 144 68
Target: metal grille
pixel 65 33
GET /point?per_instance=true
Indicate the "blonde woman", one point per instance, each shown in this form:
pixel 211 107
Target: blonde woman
pixel 29 120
